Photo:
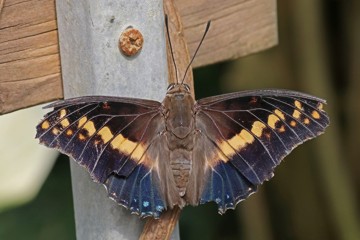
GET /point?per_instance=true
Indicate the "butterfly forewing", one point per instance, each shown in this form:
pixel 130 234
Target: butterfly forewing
pixel 117 141
pixel 250 133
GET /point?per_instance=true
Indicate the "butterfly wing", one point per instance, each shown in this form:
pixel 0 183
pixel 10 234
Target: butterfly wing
pixel 245 135
pixel 117 140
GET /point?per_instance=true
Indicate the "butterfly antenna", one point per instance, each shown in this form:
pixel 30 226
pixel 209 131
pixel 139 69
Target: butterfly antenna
pixel 171 49
pixel 197 49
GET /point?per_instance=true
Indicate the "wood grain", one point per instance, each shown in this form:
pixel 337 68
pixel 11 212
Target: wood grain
pixel 238 28
pixel 161 229
pixel 29 55
pixel 29 46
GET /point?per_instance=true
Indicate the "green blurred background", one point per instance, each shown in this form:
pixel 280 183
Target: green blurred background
pixel 315 194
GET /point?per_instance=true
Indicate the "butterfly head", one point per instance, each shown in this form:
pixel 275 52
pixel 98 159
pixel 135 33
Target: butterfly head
pixel 178 88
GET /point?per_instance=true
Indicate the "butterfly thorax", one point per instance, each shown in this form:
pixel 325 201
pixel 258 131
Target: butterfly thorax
pixel 179 119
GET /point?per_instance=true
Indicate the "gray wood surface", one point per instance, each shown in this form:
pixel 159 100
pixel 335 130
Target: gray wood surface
pixel 92 65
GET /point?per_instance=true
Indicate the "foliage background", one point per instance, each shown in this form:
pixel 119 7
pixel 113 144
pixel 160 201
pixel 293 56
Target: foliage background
pixel 315 194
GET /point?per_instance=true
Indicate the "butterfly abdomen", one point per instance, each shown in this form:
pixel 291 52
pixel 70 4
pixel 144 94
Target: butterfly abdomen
pixel 180 127
pixel 180 164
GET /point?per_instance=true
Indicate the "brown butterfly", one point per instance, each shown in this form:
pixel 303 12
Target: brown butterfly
pixel 152 156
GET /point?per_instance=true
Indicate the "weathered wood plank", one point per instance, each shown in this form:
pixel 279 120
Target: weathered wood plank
pixel 24 92
pixel 238 28
pixel 29 55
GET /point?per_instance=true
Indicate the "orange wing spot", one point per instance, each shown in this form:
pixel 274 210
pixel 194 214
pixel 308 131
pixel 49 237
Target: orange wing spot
pixel 64 123
pixel 81 137
pixel 246 136
pixel 315 114
pixel 69 132
pixel 236 143
pixel 228 148
pixel 45 125
pixel 82 121
pixel 280 114
pixel 216 157
pixel 298 105
pixel 293 123
pixel 105 134
pixel 320 106
pixel 62 113
pixel 282 129
pixel 306 121
pixel 117 141
pixel 55 131
pixel 272 120
pixel 257 128
pixel 222 157
pixel 90 128
pixel 128 147
pixel 296 114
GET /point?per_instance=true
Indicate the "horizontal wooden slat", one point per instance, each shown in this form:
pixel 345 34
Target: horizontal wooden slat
pixel 238 28
pixel 29 55
pixel 28 93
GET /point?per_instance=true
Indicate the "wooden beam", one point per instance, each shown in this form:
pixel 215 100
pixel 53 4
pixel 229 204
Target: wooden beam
pixel 29 60
pixel 29 55
pixel 238 28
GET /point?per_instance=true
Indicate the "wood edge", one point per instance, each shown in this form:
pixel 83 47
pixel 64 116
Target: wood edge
pixel 163 228
pixel 1 5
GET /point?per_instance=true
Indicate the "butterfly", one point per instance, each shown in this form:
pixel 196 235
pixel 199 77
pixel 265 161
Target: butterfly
pixel 152 156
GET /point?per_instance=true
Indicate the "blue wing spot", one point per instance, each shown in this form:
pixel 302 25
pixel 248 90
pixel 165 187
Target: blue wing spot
pixel 139 192
pixel 159 208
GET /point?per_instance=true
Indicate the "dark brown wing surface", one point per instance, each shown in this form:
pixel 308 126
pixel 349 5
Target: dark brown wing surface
pixel 117 140
pixel 245 135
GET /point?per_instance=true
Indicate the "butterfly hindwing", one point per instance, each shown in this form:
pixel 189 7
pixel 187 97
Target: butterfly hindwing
pixel 138 192
pixel 213 178
pixel 150 188
pixel 117 141
pixel 251 132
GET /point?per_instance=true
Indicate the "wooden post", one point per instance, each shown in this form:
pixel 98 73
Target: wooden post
pixel 92 65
